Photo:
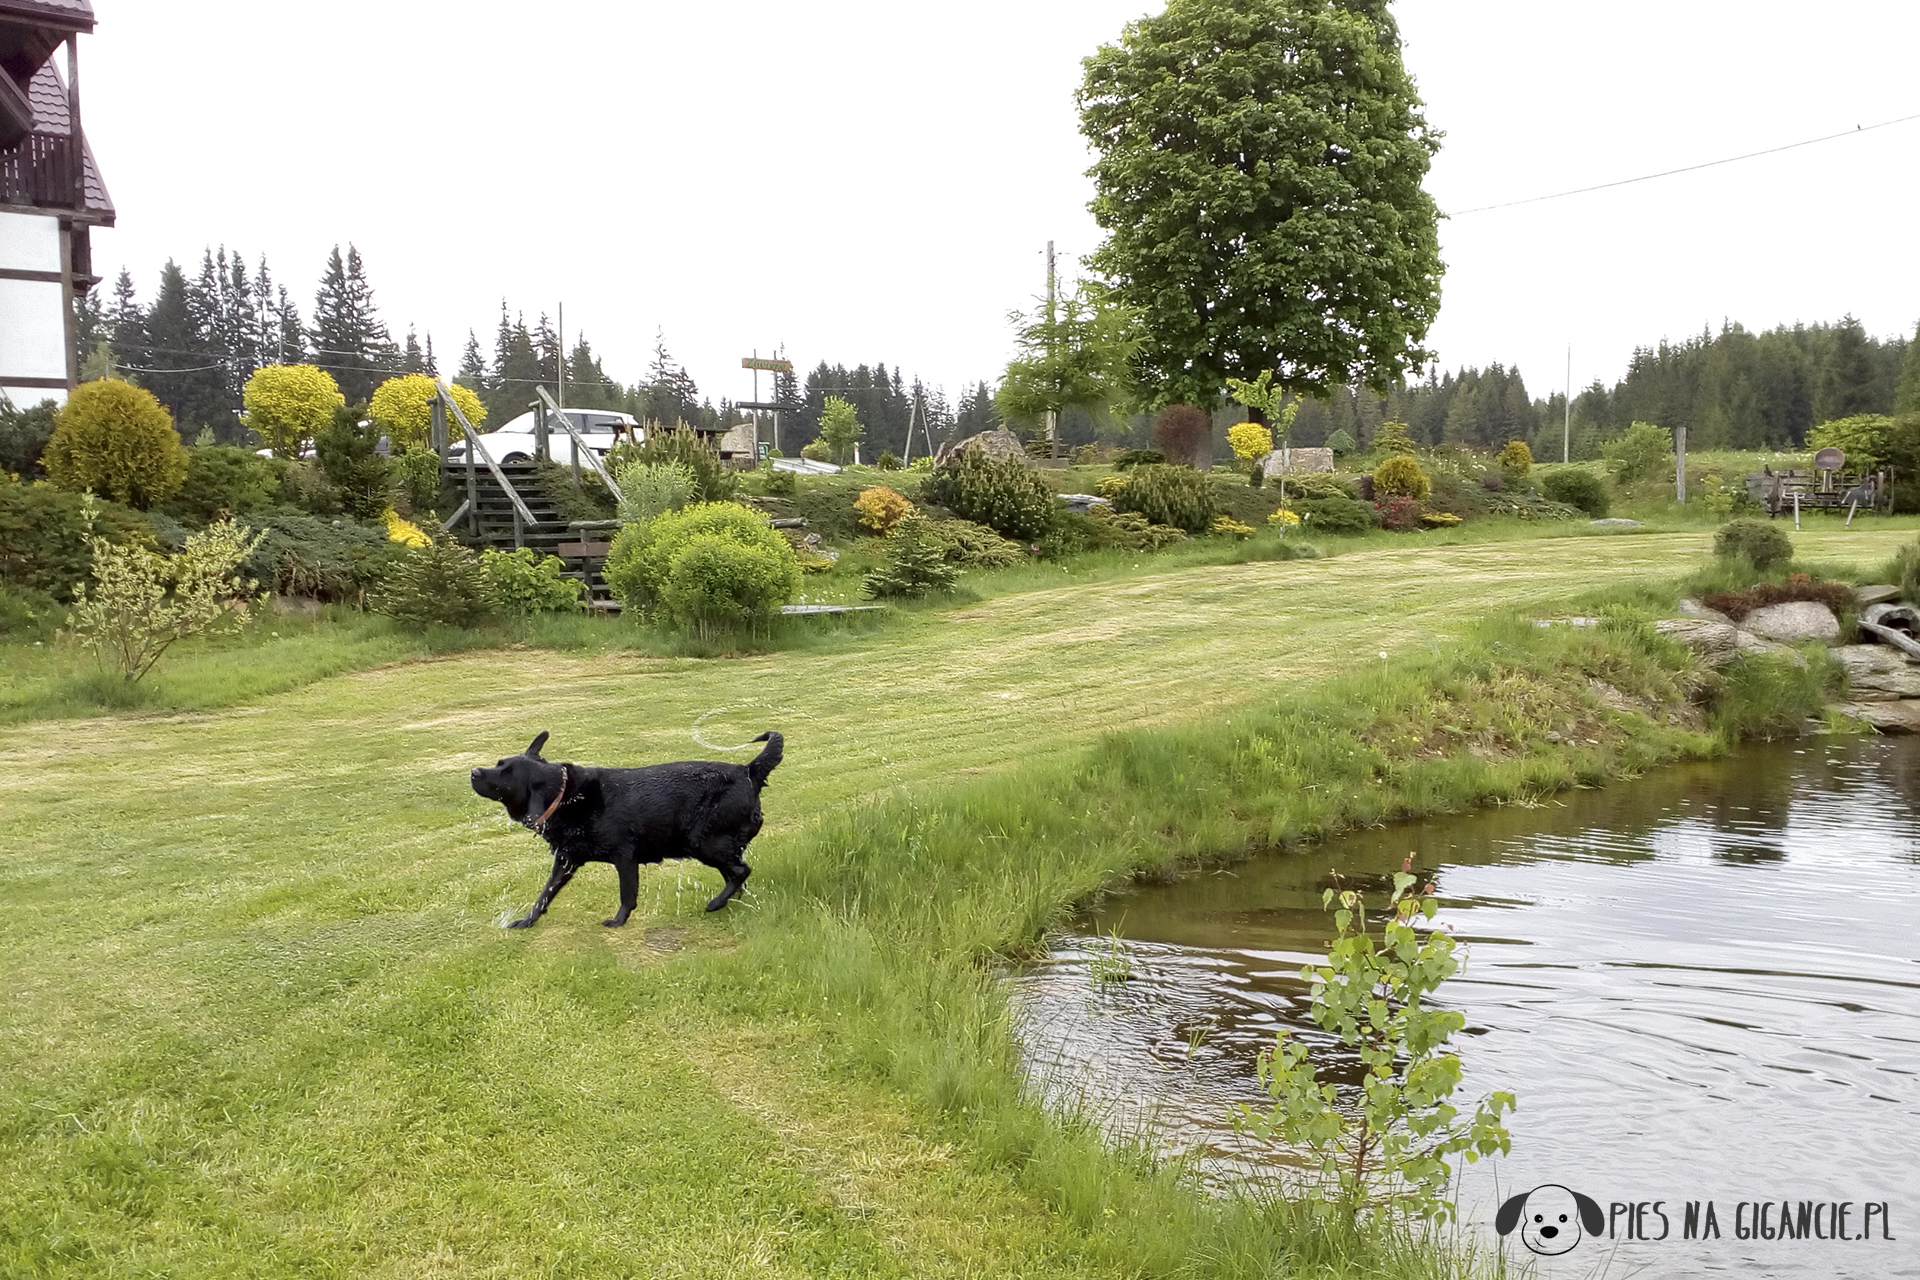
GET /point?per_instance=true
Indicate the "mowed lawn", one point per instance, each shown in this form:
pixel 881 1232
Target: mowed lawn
pixel 258 1016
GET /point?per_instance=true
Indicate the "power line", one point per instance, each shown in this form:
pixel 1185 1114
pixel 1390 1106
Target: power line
pixel 1692 168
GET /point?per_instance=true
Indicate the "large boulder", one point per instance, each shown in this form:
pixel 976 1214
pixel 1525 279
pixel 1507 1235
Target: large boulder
pixel 1794 622
pixel 998 444
pixel 1294 462
pixel 1878 593
pixel 1887 717
pixel 1876 673
pixel 1714 643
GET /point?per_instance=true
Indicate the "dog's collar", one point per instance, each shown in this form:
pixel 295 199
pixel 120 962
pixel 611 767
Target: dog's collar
pixel 540 823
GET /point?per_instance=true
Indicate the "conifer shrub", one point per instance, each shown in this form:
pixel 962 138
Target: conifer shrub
pixel 708 566
pixel 649 488
pixel 221 478
pixel 1335 514
pixel 348 447
pixel 1394 438
pixel 1127 459
pixel 290 404
pixel 1184 434
pixel 780 484
pixel 1401 477
pixel 522 583
pixel 975 545
pixel 879 509
pixel 917 563
pixel 441 583
pixel 331 559
pixel 1341 442
pixel 1761 543
pixel 44 531
pixel 1516 461
pixel 114 439
pixel 1006 496
pixel 1169 495
pixel 712 482
pixel 1577 487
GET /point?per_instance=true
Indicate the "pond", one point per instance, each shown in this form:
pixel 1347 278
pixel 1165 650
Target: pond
pixel 1703 985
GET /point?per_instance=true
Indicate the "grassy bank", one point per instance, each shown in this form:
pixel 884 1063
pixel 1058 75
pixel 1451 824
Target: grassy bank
pixel 260 1019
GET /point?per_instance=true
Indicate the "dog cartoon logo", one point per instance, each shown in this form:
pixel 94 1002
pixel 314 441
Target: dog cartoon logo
pixel 1550 1219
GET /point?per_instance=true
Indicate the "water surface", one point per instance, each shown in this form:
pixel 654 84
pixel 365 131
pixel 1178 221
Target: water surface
pixel 1702 985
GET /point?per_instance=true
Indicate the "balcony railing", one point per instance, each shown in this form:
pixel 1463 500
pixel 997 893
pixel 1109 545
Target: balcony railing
pixel 39 171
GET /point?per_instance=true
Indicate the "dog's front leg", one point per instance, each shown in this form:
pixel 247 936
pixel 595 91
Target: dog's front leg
pixel 629 872
pixel 562 872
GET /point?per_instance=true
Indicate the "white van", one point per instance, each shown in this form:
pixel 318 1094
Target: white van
pixel 600 429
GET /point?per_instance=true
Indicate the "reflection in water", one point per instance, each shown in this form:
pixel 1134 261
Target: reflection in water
pixel 1701 985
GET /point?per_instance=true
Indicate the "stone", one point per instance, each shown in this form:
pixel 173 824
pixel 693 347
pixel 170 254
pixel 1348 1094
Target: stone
pixel 1879 593
pixel 1283 462
pixel 1888 717
pixel 1714 643
pixel 1794 622
pixel 1746 642
pixel 998 444
pixel 1694 609
pixel 1084 502
pixel 1616 522
pixel 1876 673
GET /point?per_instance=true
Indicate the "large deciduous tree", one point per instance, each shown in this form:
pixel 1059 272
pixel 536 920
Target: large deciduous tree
pixel 1259 176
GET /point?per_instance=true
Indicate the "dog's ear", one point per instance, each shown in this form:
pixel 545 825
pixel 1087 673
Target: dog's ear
pixel 533 751
pixel 1590 1216
pixel 1509 1216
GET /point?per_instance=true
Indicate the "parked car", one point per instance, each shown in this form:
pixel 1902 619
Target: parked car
pixel 600 429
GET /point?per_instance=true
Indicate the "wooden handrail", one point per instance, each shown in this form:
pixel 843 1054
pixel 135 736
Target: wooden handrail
pixel 474 445
pixel 580 446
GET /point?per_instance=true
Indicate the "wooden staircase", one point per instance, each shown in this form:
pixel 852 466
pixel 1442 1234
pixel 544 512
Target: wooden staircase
pixel 493 523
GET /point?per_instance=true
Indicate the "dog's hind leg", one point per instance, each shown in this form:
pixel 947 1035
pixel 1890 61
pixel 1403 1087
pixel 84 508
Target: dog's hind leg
pixel 562 872
pixel 736 874
pixel 629 892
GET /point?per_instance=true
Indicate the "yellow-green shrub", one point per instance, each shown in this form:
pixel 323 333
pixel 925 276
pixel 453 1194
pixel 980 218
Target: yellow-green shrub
pixel 114 439
pixel 403 408
pixel 1401 477
pixel 881 508
pixel 289 403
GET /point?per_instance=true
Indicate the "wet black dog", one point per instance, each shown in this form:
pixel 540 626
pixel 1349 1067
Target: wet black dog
pixel 698 809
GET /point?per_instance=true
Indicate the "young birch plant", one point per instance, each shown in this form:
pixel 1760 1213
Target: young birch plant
pixel 141 603
pixel 1390 1147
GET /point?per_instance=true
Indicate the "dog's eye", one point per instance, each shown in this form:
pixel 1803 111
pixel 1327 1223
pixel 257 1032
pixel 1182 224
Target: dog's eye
pixel 1539 1217
pixel 1563 1217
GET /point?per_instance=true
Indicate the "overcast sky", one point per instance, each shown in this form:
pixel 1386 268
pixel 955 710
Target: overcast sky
pixel 867 181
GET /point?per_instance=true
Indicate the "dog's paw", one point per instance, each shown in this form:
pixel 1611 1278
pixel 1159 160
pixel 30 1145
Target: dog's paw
pixel 614 923
pixel 524 922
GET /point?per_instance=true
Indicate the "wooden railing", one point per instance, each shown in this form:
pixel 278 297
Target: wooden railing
pixel 39 171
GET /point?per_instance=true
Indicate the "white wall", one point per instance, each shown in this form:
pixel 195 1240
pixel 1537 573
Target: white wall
pixel 33 334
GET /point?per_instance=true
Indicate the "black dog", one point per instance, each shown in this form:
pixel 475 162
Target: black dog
pixel 697 809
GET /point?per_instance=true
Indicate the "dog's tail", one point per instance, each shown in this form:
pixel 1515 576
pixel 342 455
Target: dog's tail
pixel 763 764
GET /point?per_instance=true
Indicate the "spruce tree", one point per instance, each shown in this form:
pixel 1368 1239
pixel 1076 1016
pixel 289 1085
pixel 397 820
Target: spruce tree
pixel 126 323
pixel 413 359
pixel 179 369
pixel 1845 384
pixel 1906 396
pixel 473 368
pixel 348 338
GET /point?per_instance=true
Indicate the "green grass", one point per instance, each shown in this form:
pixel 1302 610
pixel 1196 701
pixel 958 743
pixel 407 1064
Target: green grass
pixel 261 1020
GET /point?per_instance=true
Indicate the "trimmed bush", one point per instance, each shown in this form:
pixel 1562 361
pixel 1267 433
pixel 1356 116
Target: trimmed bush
pixel 1516 460
pixel 1577 487
pixel 1177 496
pixel 1397 512
pixel 1127 459
pixel 402 408
pixel 716 588
pixel 290 404
pixel 1006 496
pixel 115 439
pixel 1335 515
pixel 43 536
pixel 881 508
pixel 522 583
pixel 1761 543
pixel 440 583
pixel 1401 477
pixel 1342 443
pixel 221 478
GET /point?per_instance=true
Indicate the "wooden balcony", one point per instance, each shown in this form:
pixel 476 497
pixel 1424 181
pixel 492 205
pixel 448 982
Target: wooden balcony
pixel 39 172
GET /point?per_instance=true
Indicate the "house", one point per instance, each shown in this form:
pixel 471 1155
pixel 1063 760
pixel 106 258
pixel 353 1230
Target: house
pixel 51 196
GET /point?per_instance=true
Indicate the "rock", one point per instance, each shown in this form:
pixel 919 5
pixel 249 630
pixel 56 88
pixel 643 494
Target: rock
pixel 1297 462
pixel 1794 622
pixel 1084 502
pixel 1887 717
pixel 998 444
pixel 1746 642
pixel 1615 523
pixel 1876 673
pixel 1694 609
pixel 1880 593
pixel 1714 643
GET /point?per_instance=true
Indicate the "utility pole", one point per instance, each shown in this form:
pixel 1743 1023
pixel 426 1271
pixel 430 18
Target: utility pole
pixel 561 372
pixel 1053 415
pixel 1566 427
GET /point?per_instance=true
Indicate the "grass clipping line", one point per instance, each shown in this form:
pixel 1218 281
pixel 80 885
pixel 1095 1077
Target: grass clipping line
pixel 895 915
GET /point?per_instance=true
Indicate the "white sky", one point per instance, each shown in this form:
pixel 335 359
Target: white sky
pixel 877 181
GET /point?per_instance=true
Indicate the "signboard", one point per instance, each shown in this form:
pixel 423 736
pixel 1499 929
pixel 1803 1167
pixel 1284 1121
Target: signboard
pixel 771 366
pixel 1829 459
